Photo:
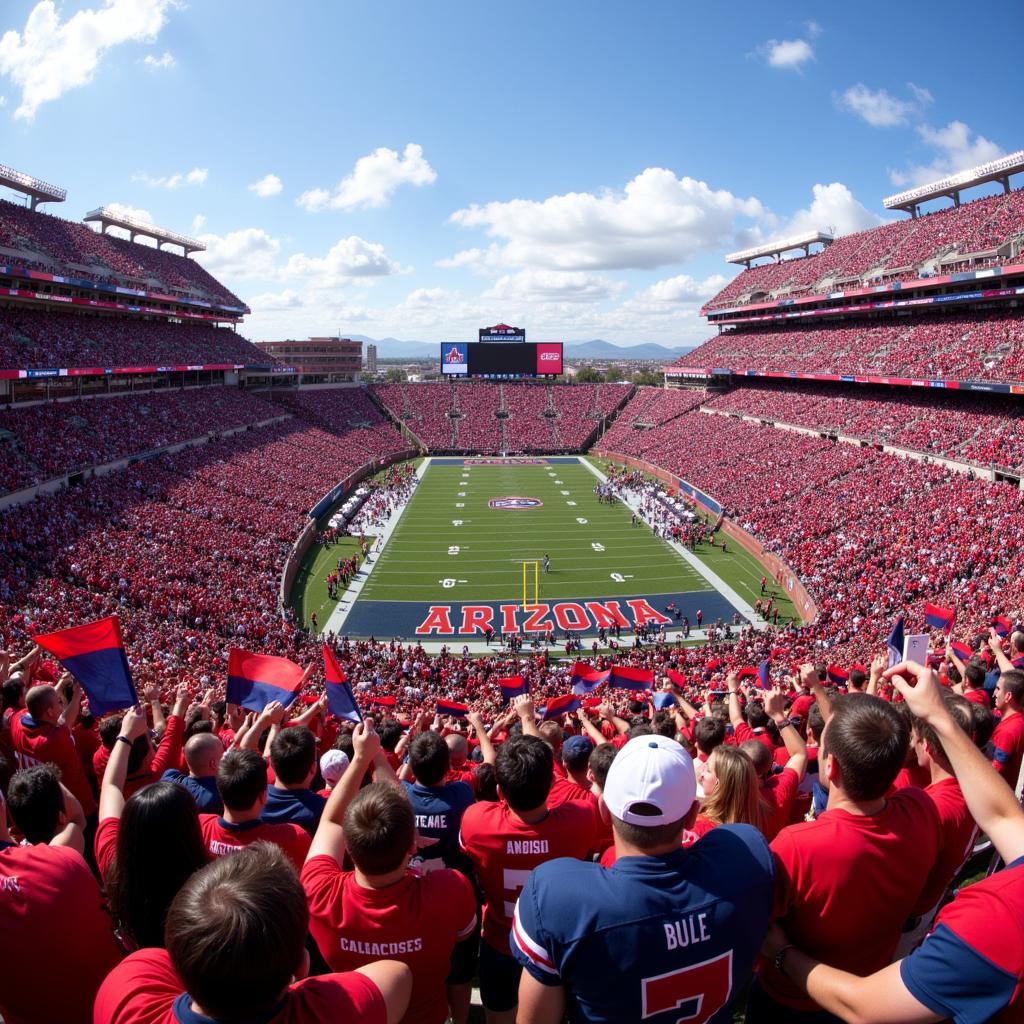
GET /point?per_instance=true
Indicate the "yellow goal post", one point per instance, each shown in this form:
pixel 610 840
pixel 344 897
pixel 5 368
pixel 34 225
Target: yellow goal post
pixel 536 582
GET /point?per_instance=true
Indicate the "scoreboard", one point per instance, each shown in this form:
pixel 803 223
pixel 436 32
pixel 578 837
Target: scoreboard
pixel 501 362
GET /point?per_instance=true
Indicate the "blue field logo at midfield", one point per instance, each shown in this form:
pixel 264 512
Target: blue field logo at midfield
pixel 515 503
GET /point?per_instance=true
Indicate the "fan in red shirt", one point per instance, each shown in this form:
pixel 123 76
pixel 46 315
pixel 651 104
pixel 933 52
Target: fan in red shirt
pixel 42 733
pixel 235 941
pixel 506 841
pixel 1008 738
pixel 242 784
pixel 863 835
pixel 382 908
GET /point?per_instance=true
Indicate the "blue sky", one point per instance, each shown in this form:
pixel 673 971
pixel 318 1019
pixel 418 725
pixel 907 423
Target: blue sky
pixel 424 169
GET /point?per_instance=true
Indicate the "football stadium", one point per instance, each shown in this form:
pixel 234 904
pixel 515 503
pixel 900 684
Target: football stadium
pixel 497 683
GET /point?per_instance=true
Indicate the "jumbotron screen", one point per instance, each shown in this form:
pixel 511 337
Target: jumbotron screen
pixel 501 362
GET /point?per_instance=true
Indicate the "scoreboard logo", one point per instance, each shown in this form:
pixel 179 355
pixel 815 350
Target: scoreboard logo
pixel 515 503
pixel 502 333
pixel 454 357
pixel 549 358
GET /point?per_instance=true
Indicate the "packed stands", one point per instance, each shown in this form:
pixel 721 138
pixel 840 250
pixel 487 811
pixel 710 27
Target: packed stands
pixel 32 338
pixel 898 250
pixel 961 346
pixel 40 240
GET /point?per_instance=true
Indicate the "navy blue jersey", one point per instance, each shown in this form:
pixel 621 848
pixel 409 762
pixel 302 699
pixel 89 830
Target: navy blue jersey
pixel 438 811
pixel 204 790
pixel 301 807
pixel 663 939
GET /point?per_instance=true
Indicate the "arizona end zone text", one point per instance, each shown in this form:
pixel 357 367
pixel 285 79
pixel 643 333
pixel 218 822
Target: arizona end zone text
pixel 541 618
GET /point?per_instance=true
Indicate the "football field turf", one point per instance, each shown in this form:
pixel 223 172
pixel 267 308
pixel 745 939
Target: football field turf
pixel 455 562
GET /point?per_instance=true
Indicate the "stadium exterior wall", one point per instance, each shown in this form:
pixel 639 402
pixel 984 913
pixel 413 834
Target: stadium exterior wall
pixel 774 566
pixel 305 539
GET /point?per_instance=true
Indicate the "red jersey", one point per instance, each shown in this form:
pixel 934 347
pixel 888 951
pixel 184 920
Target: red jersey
pixel 853 926
pixel 913 775
pixel 957 831
pixel 417 921
pixel 1008 747
pixel 779 792
pixel 104 844
pixel 56 938
pixel 222 836
pixel 801 707
pixel 51 744
pixel 87 742
pixel 466 775
pixel 145 989
pixel 505 849
pixel 742 732
pixel 978 696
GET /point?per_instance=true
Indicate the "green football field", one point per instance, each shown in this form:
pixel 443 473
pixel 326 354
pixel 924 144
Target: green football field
pixel 450 533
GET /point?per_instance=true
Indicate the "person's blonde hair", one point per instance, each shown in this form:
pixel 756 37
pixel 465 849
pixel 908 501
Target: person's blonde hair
pixel 737 797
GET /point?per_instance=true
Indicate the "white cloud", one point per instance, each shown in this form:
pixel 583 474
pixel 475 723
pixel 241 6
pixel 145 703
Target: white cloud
pixel 553 286
pixel 657 219
pixel 372 181
pixel 49 56
pixel 275 302
pixel 197 176
pixel 880 108
pixel 955 150
pixel 787 54
pixel 683 288
pixel 198 221
pixel 813 29
pixel 135 212
pixel 269 185
pixel 162 63
pixel 833 208
pixel 351 257
pixel 246 253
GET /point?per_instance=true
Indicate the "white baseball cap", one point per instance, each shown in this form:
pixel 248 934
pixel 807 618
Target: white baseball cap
pixel 655 771
pixel 332 765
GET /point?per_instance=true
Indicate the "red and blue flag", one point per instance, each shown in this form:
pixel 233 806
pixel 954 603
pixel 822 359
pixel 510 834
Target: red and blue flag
pixel 1002 625
pixel 939 618
pixel 664 700
pixel 560 706
pixel 94 654
pixel 762 674
pixel 837 675
pixel 451 707
pixel 256 680
pixel 340 700
pixel 513 686
pixel 676 677
pixel 626 678
pixel 585 679
pixel 961 650
pixel 384 702
pixel 894 642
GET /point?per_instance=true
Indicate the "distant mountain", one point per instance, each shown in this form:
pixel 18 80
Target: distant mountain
pixel 393 348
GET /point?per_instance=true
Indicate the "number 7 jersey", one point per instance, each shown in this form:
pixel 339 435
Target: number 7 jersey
pixel 662 939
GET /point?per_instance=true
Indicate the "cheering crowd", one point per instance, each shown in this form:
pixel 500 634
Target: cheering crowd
pixel 611 841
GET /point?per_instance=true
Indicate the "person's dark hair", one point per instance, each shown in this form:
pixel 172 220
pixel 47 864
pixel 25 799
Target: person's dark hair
pixel 709 733
pixel 12 692
pixel 141 747
pixel 640 728
pixel 524 766
pixel 664 724
pixel 343 742
pixel 86 719
pixel 815 722
pixel 36 802
pixel 241 779
pixel 984 724
pixel 110 728
pixel 757 717
pixel 390 732
pixel 868 738
pixel 960 708
pixel 857 680
pixel 647 838
pixel 429 758
pixel 601 760
pixel 974 674
pixel 236 931
pixel 293 754
pixel 1013 684
pixel 379 827
pixel 159 846
pixel 635 707
pixel 487 783
pixel 759 754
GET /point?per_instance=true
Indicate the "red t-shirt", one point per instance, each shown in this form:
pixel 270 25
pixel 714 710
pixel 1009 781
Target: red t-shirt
pixel 504 850
pixel 742 732
pixel 801 706
pixel 957 831
pixel 222 836
pixel 104 844
pixel 417 921
pixel 51 744
pixel 1008 745
pixel 87 741
pixel 978 696
pixel 56 938
pixel 145 989
pixel 845 884
pixel 912 775
pixel 779 792
pixel 466 775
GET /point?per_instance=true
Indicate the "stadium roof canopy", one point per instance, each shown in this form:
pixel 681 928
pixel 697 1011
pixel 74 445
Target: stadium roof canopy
pixel 38 191
pixel 995 170
pixel 780 245
pixel 114 218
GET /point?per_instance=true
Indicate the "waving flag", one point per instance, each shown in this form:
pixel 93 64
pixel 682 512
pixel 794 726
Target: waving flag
pixel 939 618
pixel 837 674
pixel 513 686
pixel 762 674
pixel 631 678
pixel 747 672
pixel 962 651
pixel 340 701
pixel 383 702
pixel 664 700
pixel 676 677
pixel 256 680
pixel 94 654
pixel 560 706
pixel 895 642
pixel 450 707
pixel 585 679
pixel 1002 625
